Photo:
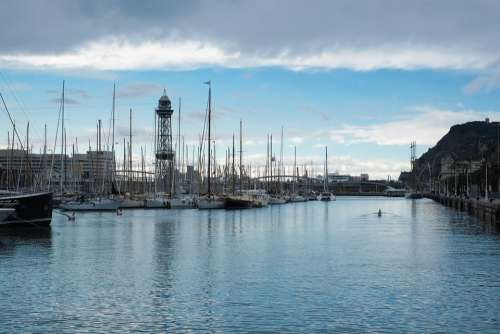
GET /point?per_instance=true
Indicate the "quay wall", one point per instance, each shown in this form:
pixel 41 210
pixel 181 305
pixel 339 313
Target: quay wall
pixel 486 211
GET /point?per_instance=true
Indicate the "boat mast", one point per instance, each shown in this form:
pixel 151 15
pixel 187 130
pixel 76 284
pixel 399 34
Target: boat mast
pixel 266 169
pixel 281 162
pixel 44 166
pixel 113 172
pixel 233 171
pixel 325 182
pixel 130 172
pixel 30 173
pixel 209 134
pixel 124 163
pixel 241 155
pixel 63 170
pixel 179 161
pixel 294 168
pixel 271 161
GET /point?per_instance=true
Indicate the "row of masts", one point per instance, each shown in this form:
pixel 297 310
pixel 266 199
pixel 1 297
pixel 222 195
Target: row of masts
pixel 140 179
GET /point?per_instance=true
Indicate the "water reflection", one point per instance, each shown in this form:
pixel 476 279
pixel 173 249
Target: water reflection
pixel 300 267
pixel 19 237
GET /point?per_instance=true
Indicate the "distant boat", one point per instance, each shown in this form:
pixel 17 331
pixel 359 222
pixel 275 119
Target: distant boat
pixel 156 202
pixel 326 196
pixel 413 195
pixel 239 202
pixel 259 196
pixel 106 204
pixel 273 200
pixel 184 202
pixel 210 202
pixel 132 203
pixel 393 192
pixel 312 197
pixel 297 198
pixel 31 208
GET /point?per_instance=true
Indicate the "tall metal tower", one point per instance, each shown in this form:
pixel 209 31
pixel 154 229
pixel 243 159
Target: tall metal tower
pixel 164 164
pixel 413 154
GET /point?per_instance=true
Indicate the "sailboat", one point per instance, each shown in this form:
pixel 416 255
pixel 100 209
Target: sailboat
pixel 240 199
pixel 210 201
pixel 27 207
pixel 98 203
pixel 295 197
pixel 280 197
pixel 179 200
pixel 326 195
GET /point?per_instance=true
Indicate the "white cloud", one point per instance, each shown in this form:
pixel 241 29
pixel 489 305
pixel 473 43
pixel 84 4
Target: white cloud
pixel 426 125
pixel 376 168
pixel 485 83
pixel 121 54
pixel 139 89
pixel 297 140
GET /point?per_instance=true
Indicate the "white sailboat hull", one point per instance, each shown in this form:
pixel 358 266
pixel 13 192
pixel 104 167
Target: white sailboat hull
pixel 156 203
pixel 182 203
pixel 277 200
pixel 327 197
pixel 132 204
pixel 297 198
pixel 92 205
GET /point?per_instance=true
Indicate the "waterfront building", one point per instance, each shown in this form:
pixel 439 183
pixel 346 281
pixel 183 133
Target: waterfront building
pixel 82 171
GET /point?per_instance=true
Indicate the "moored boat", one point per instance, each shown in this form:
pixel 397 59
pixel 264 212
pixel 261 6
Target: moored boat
pixel 156 202
pixel 259 196
pixel 326 196
pixel 274 200
pixel 28 209
pixel 210 202
pixel 413 195
pixel 106 204
pixel 297 198
pixel 185 202
pixel 132 203
pixel 239 202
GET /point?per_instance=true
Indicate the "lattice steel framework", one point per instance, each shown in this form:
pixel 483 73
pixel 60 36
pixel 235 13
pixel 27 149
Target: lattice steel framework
pixel 164 162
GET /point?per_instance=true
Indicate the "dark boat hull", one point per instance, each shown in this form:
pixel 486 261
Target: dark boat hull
pixel 30 209
pixel 233 203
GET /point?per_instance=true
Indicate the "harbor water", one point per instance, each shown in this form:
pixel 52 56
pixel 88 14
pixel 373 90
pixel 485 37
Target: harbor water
pixel 299 267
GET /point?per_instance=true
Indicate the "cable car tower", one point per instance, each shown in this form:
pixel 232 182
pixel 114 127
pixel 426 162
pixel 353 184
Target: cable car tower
pixel 164 154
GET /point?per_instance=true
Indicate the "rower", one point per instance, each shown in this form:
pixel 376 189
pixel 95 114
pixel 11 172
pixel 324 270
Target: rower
pixel 379 213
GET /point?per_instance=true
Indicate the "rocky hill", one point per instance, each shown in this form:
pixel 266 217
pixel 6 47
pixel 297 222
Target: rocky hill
pixel 464 142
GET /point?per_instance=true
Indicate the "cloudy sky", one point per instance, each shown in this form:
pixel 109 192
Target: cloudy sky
pixel 363 77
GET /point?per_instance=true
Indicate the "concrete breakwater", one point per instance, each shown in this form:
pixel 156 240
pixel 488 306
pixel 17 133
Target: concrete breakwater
pixel 486 211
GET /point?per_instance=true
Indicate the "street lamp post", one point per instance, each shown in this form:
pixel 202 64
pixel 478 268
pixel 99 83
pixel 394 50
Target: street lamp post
pixel 467 181
pixel 486 181
pixel 455 179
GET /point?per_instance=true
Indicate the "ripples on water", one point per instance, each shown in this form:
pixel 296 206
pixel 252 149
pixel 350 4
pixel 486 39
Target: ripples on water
pixel 304 267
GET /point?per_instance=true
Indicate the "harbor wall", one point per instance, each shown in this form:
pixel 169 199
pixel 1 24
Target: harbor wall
pixel 486 211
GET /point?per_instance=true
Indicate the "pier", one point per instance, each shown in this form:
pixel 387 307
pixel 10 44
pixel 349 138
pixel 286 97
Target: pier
pixel 486 211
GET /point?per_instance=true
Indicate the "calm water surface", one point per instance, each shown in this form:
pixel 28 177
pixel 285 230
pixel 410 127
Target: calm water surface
pixel 304 267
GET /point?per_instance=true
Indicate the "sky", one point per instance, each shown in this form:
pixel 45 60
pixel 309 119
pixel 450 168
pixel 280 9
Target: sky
pixel 364 78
